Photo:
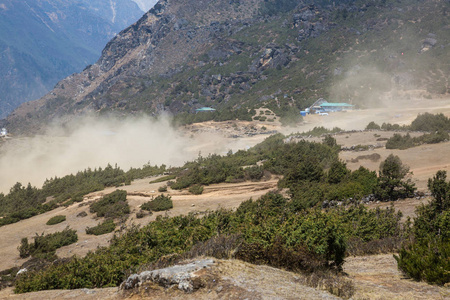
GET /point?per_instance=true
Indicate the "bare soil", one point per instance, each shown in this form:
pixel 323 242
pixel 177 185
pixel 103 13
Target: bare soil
pixel 377 277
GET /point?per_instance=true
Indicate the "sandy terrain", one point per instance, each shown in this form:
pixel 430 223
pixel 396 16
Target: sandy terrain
pixel 377 277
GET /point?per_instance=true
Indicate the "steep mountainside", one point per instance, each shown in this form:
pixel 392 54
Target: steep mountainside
pixel 43 41
pixel 238 55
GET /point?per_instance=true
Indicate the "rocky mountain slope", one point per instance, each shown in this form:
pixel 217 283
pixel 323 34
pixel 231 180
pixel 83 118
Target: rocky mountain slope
pixel 239 55
pixel 42 42
pixel 145 5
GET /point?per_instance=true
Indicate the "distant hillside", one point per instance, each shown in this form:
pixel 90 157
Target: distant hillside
pixel 239 55
pixel 42 42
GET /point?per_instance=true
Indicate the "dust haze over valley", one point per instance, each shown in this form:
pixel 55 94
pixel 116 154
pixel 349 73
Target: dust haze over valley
pixel 95 142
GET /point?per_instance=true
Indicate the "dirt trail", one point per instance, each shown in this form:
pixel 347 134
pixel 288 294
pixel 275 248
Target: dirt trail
pixel 377 277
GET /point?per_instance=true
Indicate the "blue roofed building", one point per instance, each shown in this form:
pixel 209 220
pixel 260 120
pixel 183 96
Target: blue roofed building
pixel 201 109
pixel 332 107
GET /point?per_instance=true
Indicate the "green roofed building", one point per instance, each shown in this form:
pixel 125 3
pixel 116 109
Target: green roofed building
pixel 204 109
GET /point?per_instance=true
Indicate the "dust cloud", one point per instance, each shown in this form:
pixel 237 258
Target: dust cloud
pixel 92 142
pixel 364 86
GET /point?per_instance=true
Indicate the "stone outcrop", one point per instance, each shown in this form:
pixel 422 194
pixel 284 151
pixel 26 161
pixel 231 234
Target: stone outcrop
pixel 184 277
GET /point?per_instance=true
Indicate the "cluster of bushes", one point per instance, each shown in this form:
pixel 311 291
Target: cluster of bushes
pixel 44 246
pixel 22 203
pixel 162 189
pixel 398 141
pixel 428 256
pixel 25 202
pixel 311 171
pixel 106 226
pixel 269 231
pixel 146 171
pixel 311 184
pixel 423 122
pixel 430 122
pixel 56 220
pixel 160 203
pixel 214 169
pixel 76 186
pixel 320 131
pixel 112 206
pixel 386 126
pixel 196 189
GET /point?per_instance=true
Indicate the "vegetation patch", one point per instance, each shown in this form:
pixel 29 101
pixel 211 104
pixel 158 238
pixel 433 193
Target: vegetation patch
pixel 428 256
pixel 56 219
pixel 265 231
pixel 23 202
pixel 160 203
pixel 112 206
pixel 106 227
pixel 398 141
pixel 196 189
pixel 164 178
pixel 162 189
pixel 44 246
pixel 319 131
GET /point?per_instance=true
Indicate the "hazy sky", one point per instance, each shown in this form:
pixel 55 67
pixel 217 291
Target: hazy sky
pixel 145 5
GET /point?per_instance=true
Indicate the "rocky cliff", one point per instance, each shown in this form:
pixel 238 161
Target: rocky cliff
pixel 238 55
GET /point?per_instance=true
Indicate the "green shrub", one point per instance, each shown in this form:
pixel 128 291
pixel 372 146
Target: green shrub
pixel 82 214
pixel 373 126
pixel 45 245
pixel 196 189
pixel 160 203
pixel 404 142
pixel 430 122
pixel 106 227
pixel 254 172
pixel 141 214
pixel 426 261
pixel 164 178
pixel 162 189
pixel 428 256
pixel 320 130
pixel 113 205
pixel 56 219
pixel 398 141
pixel 392 183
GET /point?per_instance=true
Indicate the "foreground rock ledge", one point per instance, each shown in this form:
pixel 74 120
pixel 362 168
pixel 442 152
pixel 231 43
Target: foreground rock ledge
pixel 186 277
